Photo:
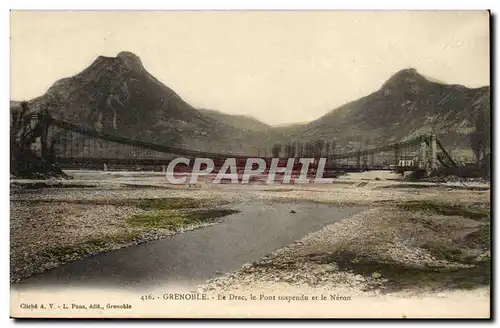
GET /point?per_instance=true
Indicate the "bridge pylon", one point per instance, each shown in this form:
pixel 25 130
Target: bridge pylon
pixel 422 154
pixel 427 156
pixel 433 150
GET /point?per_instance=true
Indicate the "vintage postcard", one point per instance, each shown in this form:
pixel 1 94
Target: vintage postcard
pixel 250 164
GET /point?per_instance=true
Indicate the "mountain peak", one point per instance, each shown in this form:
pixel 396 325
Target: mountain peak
pixel 127 55
pixel 407 73
pixel 130 59
pixel 407 76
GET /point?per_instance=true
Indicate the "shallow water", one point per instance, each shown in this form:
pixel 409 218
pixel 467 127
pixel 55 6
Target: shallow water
pixel 190 258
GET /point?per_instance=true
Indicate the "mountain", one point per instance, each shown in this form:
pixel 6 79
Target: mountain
pixel 270 134
pixel 406 105
pixel 243 122
pixel 117 95
pixel 14 103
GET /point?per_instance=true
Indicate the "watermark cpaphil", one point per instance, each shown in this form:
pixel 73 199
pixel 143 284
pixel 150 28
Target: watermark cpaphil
pixel 183 170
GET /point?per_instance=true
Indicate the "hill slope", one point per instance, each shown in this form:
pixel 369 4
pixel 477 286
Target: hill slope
pixel 407 105
pixel 238 121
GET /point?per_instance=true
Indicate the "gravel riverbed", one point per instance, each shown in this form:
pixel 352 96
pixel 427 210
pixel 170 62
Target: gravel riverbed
pixel 64 217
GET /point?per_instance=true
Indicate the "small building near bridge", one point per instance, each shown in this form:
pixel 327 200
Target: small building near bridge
pixel 407 161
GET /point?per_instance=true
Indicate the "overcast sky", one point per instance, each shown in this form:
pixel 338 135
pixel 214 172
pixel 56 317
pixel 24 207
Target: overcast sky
pixel 279 67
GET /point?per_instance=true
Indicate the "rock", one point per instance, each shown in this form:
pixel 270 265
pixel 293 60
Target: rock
pixel 376 275
pixel 292 211
pixel 359 278
pixel 331 268
pixel 246 266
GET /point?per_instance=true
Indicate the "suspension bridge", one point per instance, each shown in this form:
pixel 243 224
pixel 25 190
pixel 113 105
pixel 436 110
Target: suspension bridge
pixel 77 147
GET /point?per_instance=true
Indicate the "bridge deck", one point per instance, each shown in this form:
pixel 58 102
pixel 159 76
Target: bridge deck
pixel 158 164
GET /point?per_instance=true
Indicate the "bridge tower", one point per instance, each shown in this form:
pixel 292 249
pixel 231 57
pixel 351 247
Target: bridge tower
pixel 422 154
pixel 297 148
pixel 433 149
pixel 427 156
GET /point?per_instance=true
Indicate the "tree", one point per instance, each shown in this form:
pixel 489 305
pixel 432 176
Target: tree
pixel 289 150
pixel 318 148
pixel 308 149
pixel 327 149
pixel 300 149
pixel 276 150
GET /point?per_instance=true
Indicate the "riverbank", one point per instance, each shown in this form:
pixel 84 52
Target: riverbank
pixel 83 217
pixel 45 234
pixel 381 250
